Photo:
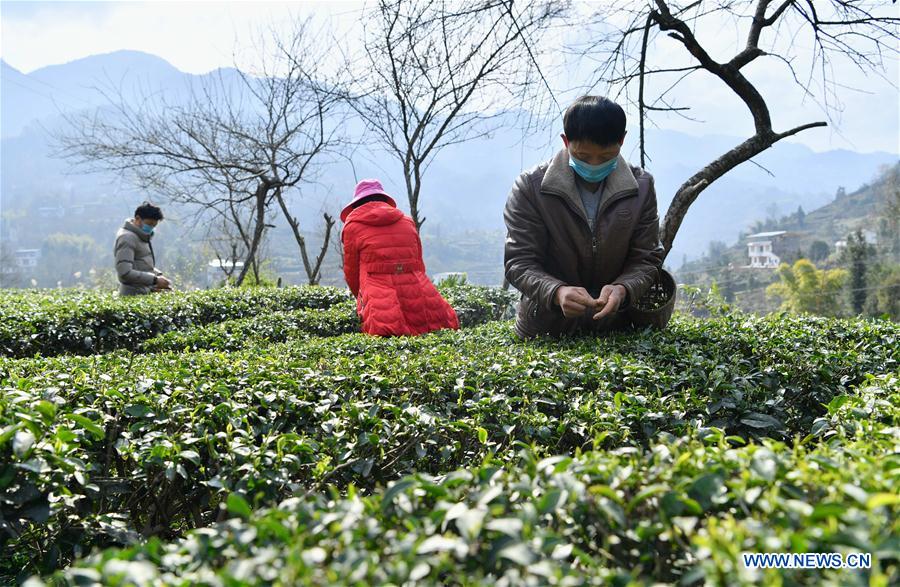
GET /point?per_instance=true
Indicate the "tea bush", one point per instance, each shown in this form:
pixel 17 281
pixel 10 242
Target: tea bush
pixel 57 322
pixel 76 322
pixel 681 509
pixel 656 455
pixel 265 328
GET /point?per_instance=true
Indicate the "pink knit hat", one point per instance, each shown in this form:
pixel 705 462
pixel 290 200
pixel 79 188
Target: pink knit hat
pixel 364 189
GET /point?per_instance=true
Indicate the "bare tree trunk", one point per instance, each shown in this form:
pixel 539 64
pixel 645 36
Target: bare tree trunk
pixel 692 188
pixel 313 271
pixel 730 74
pixel 428 62
pixel 317 270
pixel 262 191
pixel 414 197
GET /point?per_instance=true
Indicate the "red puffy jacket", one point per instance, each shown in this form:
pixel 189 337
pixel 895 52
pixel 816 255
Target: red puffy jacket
pixel 384 268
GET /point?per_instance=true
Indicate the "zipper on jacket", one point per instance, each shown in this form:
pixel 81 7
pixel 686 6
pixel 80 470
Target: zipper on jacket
pixel 595 244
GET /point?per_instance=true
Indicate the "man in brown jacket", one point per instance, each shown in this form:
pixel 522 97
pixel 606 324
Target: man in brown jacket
pixel 582 229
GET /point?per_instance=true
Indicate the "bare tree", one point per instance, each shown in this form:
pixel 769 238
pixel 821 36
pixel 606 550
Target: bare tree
pixel 229 240
pixel 861 31
pixel 438 73
pixel 233 149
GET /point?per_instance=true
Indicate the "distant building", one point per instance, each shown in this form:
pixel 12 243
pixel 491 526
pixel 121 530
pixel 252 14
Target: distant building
pixel 761 247
pixel 27 258
pixel 51 211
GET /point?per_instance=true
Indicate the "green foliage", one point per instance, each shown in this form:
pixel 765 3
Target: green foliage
pixel 64 321
pixel 476 304
pixel 453 280
pixel 819 251
pixel 106 449
pixel 267 328
pixel 859 255
pixel 257 438
pixel 679 509
pixel 803 288
pixel 884 300
pixel 50 323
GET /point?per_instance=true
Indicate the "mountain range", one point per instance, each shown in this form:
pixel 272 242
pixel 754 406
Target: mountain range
pixel 465 187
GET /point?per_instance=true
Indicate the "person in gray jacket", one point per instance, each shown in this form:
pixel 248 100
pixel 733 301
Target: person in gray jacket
pixel 135 262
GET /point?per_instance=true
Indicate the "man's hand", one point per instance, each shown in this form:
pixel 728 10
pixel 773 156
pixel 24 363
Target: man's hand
pixel 574 301
pixel 162 283
pixel 611 297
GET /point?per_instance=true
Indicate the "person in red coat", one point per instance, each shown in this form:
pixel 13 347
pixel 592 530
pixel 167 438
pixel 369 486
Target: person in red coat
pixel 384 268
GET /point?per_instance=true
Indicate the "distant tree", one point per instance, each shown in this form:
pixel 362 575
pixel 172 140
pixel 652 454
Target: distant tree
pixel 10 274
pixel 438 73
pixel 840 194
pixel 803 288
pixel 718 252
pixel 800 217
pixel 792 256
pixel 819 251
pixel 860 32
pixel 857 256
pixel 727 287
pixel 235 149
pixel 884 299
pixel 66 259
pixel 889 212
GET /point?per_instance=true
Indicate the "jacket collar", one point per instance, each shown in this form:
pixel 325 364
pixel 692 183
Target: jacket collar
pixel 559 179
pixel 141 234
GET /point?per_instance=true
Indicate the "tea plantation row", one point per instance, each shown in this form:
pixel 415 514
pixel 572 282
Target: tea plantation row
pixel 57 322
pixel 681 509
pixel 655 454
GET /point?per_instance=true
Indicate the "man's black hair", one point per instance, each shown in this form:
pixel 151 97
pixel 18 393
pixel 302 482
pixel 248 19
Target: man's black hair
pixel 148 211
pixel 595 119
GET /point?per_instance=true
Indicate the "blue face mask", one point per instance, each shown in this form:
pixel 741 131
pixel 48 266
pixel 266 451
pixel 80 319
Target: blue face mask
pixel 593 173
pixel 147 228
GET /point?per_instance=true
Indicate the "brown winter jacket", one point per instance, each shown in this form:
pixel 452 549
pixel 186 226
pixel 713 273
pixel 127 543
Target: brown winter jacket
pixel 549 243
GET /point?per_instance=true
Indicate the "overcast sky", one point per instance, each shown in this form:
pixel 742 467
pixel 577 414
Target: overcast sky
pixel 199 36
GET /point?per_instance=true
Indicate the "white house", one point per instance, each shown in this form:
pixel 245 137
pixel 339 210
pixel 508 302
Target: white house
pixel 760 249
pixel 27 258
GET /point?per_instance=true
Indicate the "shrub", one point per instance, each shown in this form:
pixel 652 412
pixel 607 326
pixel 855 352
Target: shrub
pixel 682 509
pixel 110 449
pixel 68 322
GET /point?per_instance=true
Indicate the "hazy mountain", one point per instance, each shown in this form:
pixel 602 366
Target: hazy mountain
pixel 465 187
